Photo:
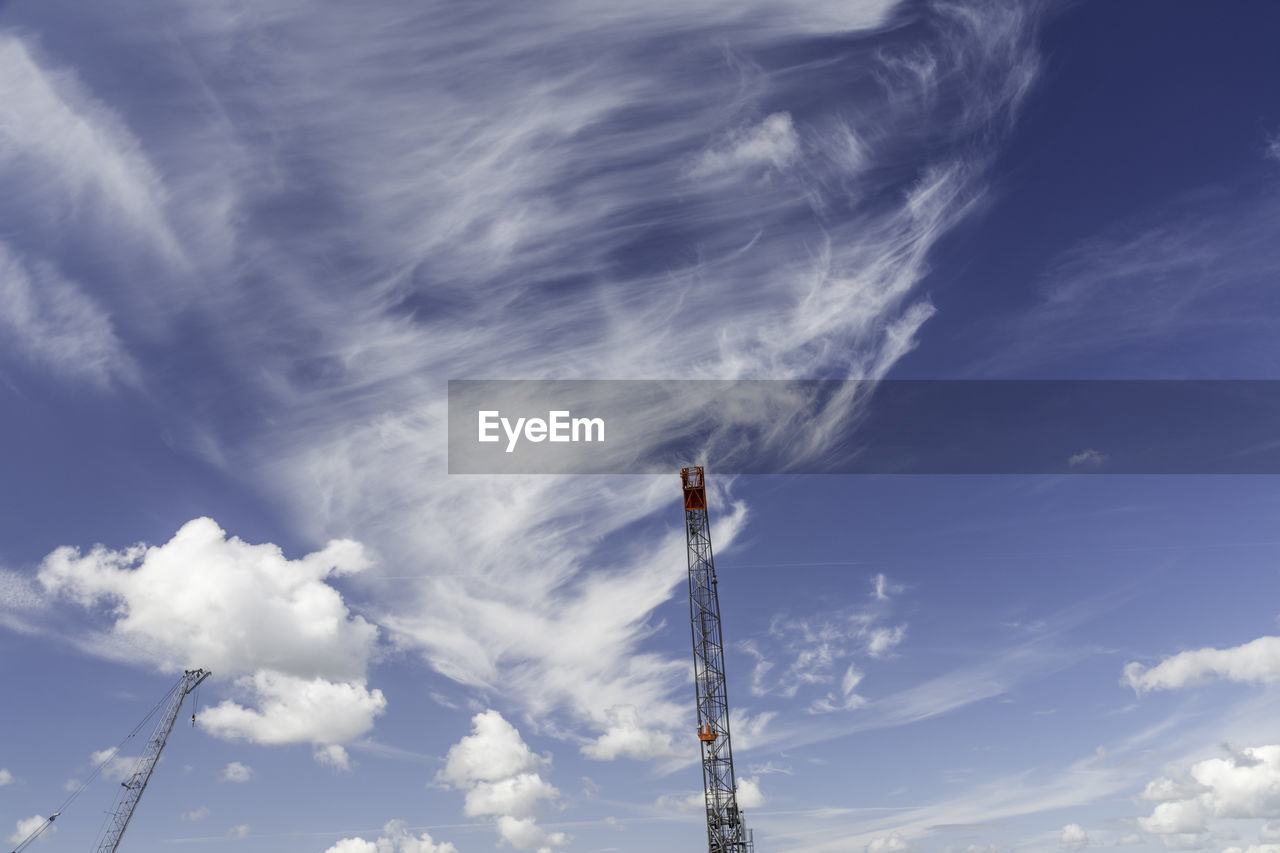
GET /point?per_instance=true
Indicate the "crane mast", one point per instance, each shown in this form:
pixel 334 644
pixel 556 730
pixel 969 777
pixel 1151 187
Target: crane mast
pixel 726 830
pixel 137 782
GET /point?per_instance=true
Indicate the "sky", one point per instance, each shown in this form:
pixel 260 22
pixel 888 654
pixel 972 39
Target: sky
pixel 245 246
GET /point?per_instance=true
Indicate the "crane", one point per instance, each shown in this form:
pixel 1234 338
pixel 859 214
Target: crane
pixel 137 782
pixel 726 829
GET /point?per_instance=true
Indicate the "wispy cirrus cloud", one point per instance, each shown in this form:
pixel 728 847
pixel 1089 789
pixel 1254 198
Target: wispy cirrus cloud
pixel 447 207
pixel 1163 279
pixel 57 326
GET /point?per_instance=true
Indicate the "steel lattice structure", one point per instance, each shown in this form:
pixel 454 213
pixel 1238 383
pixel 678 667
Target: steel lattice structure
pixel 136 783
pixel 726 830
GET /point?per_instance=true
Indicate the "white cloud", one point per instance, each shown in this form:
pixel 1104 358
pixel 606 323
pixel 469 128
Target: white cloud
pixel 1088 458
pixel 1245 785
pixel 494 750
pixel 524 834
pixel 625 735
pixel 471 191
pixel 196 814
pixel 208 599
pixel 821 646
pixel 332 755
pixel 1073 837
pixel 882 588
pixel 882 640
pixel 499 163
pixel 1164 789
pixel 1258 660
pixel 26 826
pixel 1175 817
pixel 92 171
pixel 236 772
pixel 847 700
pixel 1272 148
pixel 57 326
pixel 891 843
pixel 681 803
pixel 238 832
pixel 773 142
pixel 1129 840
pixel 296 710
pixel 1269 832
pixel 353 845
pixel 518 796
pixel 6 778
pixel 396 838
pixel 114 766
pixel 496 768
pixel 749 794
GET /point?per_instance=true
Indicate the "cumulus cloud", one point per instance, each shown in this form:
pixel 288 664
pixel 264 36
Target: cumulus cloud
pixel 396 838
pixel 195 814
pixel 891 843
pixel 239 832
pixel 1244 785
pixel 749 794
pixel 494 750
pixel 26 826
pixel 115 766
pixel 332 755
pixel 497 769
pixel 1165 789
pixel 625 735
pixel 6 778
pixel 681 802
pixel 1073 837
pixel 1175 817
pixel 1256 661
pixel 236 772
pixel 524 834
pixel 295 710
pixel 208 599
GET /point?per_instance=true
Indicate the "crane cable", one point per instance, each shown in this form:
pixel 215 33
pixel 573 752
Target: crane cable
pixel 35 833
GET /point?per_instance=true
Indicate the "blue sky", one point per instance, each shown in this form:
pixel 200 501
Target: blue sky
pixel 244 246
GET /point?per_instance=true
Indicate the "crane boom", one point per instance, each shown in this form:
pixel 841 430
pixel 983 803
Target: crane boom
pixel 726 830
pixel 137 782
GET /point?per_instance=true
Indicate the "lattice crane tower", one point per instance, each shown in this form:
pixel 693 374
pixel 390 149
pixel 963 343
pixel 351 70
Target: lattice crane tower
pixel 726 830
